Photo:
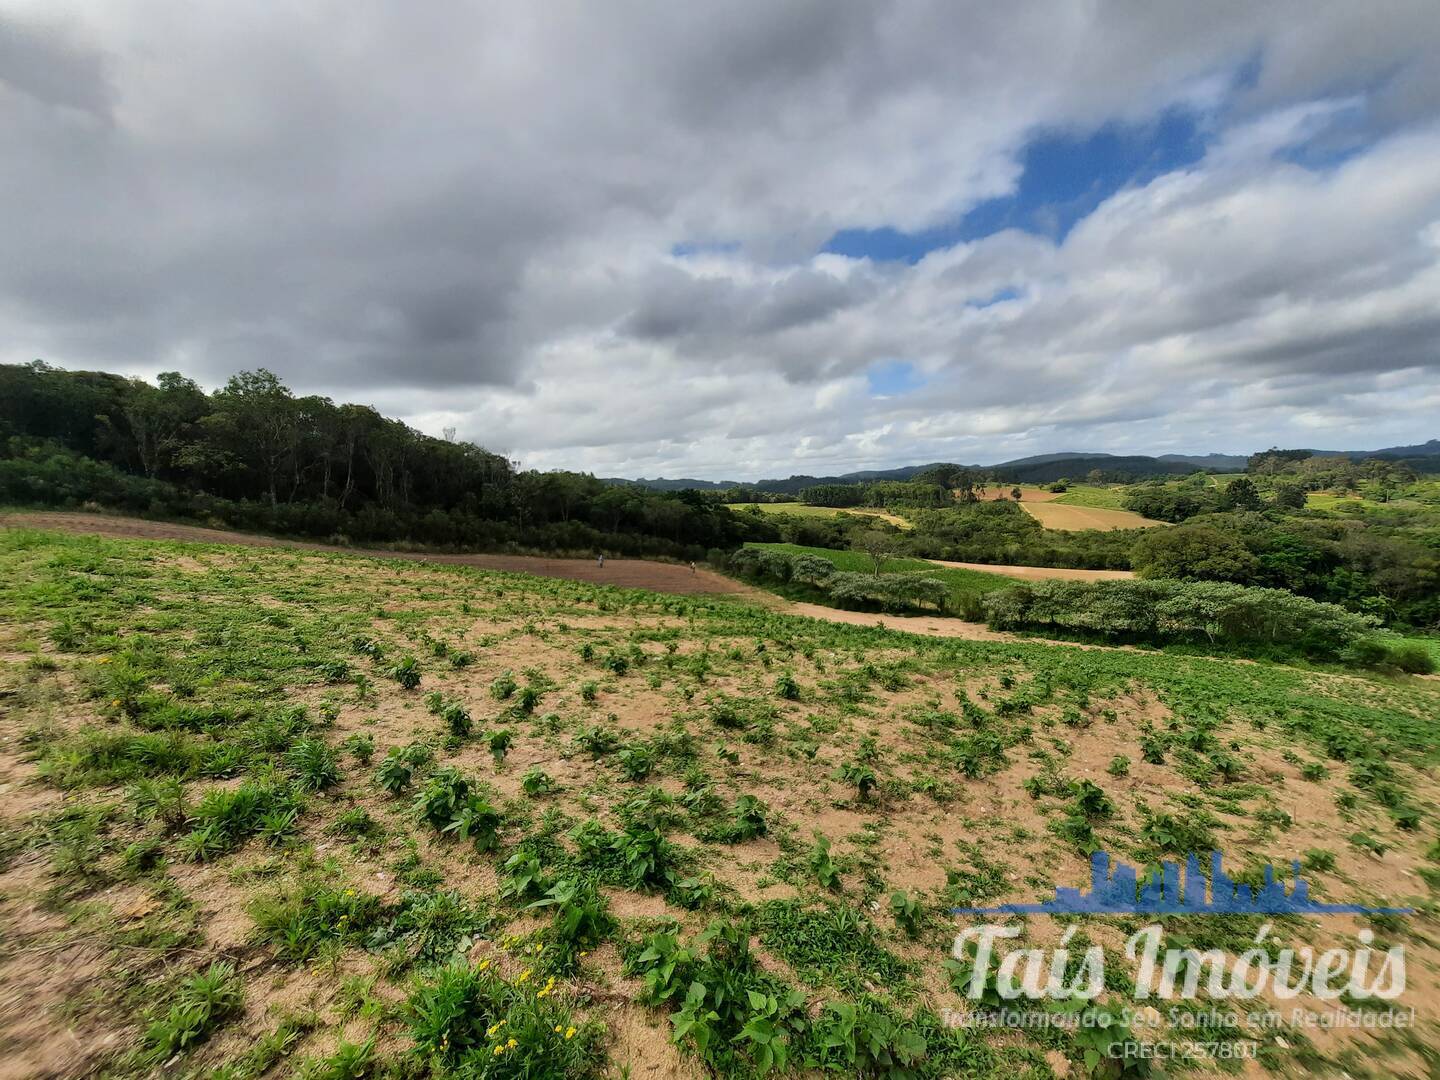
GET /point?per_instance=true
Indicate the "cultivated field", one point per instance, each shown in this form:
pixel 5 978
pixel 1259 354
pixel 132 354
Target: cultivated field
pixel 1055 515
pixel 279 812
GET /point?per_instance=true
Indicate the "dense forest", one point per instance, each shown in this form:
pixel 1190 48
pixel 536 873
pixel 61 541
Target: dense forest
pixel 255 456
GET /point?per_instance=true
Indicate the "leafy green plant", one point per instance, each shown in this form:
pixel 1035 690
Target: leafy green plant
pixel 503 686
pixel 350 1061
pixel 729 1012
pixel 598 741
pixel 394 773
pixel 311 914
pixel 406 672
pixel 500 742
pixel 536 781
pixel 861 776
pixel 908 913
pixel 636 762
pixel 360 747
pixel 476 1023
pixel 822 866
pixel 581 919
pixel 525 877
pixel 865 1040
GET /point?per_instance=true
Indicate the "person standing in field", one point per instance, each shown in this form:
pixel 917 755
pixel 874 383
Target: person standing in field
pixel 600 560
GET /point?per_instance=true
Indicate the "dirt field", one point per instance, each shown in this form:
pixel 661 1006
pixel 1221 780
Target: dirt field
pixel 1075 518
pixel 1028 494
pixel 1040 573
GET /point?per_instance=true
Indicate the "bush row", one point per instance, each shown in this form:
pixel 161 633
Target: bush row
pixel 889 592
pixel 1215 612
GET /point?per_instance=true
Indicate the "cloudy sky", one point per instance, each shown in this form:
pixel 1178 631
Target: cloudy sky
pixel 744 239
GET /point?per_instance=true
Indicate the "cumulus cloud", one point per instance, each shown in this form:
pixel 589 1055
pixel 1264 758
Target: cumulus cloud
pixel 587 236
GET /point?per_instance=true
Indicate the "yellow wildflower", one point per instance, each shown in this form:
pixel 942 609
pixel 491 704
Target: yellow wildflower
pixel 523 976
pixel 569 1033
pixel 499 1050
pixel 557 1029
pixel 510 1043
pixel 484 964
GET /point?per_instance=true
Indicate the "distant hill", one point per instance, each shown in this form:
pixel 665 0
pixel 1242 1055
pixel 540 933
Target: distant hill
pixel 1036 469
pixel 1219 462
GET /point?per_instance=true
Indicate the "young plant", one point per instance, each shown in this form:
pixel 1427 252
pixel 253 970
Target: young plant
pixel 406 672
pixel 822 866
pixel 500 743
pixel 313 765
pixel 636 762
pixel 203 1003
pixel 908 913
pixel 861 776
pixel 394 773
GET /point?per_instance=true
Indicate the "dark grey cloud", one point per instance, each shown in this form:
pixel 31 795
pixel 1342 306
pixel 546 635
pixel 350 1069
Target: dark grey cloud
pixel 42 61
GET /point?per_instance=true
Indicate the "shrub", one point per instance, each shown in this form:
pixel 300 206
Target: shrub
pixel 1412 657
pixel 1179 611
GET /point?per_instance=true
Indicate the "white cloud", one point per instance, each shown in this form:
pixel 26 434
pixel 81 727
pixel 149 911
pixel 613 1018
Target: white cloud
pixel 465 215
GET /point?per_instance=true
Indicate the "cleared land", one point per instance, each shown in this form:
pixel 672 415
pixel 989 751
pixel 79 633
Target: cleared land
pixel 192 757
pixel 1029 493
pixel 1054 515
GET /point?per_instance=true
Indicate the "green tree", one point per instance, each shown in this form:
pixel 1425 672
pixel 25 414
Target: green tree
pixel 259 419
pixel 1193 553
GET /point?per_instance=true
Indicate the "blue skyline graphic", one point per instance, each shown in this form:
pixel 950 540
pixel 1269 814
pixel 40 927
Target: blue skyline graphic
pixel 1125 892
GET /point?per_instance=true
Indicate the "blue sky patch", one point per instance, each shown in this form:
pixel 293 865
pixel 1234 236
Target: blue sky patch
pixel 892 378
pixel 1065 177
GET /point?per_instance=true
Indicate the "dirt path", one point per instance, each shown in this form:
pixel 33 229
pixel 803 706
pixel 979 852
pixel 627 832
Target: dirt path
pixel 1039 573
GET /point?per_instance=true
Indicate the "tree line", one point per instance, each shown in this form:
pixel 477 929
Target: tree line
pixel 255 455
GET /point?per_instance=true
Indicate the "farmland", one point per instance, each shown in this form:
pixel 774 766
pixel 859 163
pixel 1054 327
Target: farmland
pixel 1058 515
pixel 284 812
